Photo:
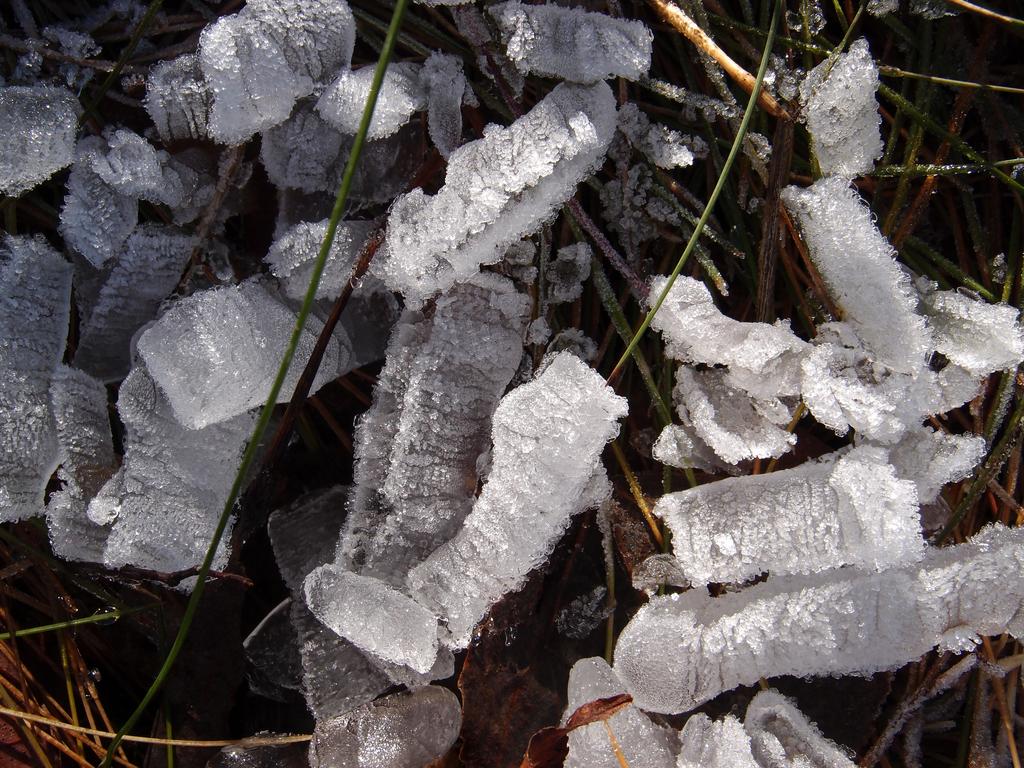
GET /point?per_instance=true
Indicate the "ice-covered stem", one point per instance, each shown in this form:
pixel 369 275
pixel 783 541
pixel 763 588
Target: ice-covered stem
pixel 548 435
pixel 682 650
pixel 264 419
pixel 801 520
pixel 607 249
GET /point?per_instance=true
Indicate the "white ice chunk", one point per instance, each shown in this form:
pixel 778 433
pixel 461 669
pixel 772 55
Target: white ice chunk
pixel 38 139
pixel 291 256
pixel 548 435
pixel 445 84
pixel 781 736
pixel 403 730
pixel 259 61
pixel 86 452
pixel 642 743
pixel 931 459
pixel 801 520
pixel 96 219
pixel 336 676
pixel 571 43
pixel 736 427
pixel 35 297
pixel 373 616
pixel 130 164
pixel 401 96
pixel 838 98
pixel 178 99
pixel 146 272
pixel 762 359
pixel 497 190
pixel 663 146
pixel 973 334
pixel 304 152
pixel 681 650
pixel 859 268
pixel 707 743
pixel 172 485
pixel 843 387
pixel 417 448
pixel 215 354
pixel 679 446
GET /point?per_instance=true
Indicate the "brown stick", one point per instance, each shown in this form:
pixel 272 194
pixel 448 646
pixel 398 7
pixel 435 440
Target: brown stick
pixel 686 26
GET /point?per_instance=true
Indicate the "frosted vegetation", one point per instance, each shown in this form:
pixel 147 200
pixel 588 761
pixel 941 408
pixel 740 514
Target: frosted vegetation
pixel 135 359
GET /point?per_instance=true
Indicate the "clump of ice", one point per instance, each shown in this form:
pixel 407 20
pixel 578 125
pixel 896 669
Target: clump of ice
pixel 215 354
pixel 304 152
pixel 761 359
pixel 977 336
pixel 418 445
pixel 373 616
pixel 707 743
pixel 571 43
pixel 859 269
pixel 735 426
pixel 401 96
pixel 665 147
pixel 497 190
pixel 782 736
pixel 96 219
pixel 565 274
pixel 547 437
pixel 292 255
pixel 35 297
pixel 40 123
pixel 843 386
pixel 838 99
pixel 801 520
pixel 403 730
pixel 178 99
pixel 168 495
pixel 681 650
pixel 86 454
pixel 931 459
pixel 642 743
pixel 774 734
pixel 259 61
pixel 146 272
pixel 445 84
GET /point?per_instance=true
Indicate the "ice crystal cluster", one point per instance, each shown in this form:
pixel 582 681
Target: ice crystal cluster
pixel 134 363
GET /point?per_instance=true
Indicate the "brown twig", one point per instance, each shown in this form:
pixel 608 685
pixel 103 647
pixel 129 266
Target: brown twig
pixel 686 26
pixel 302 387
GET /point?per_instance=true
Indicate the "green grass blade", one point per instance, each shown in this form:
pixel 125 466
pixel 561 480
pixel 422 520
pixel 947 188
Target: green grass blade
pixel 264 419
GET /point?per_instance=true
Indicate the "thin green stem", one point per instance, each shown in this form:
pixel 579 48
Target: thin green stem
pixel 96 618
pixel 719 186
pixel 264 419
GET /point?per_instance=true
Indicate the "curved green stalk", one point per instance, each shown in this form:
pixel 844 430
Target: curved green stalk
pixel 719 186
pixel 264 419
